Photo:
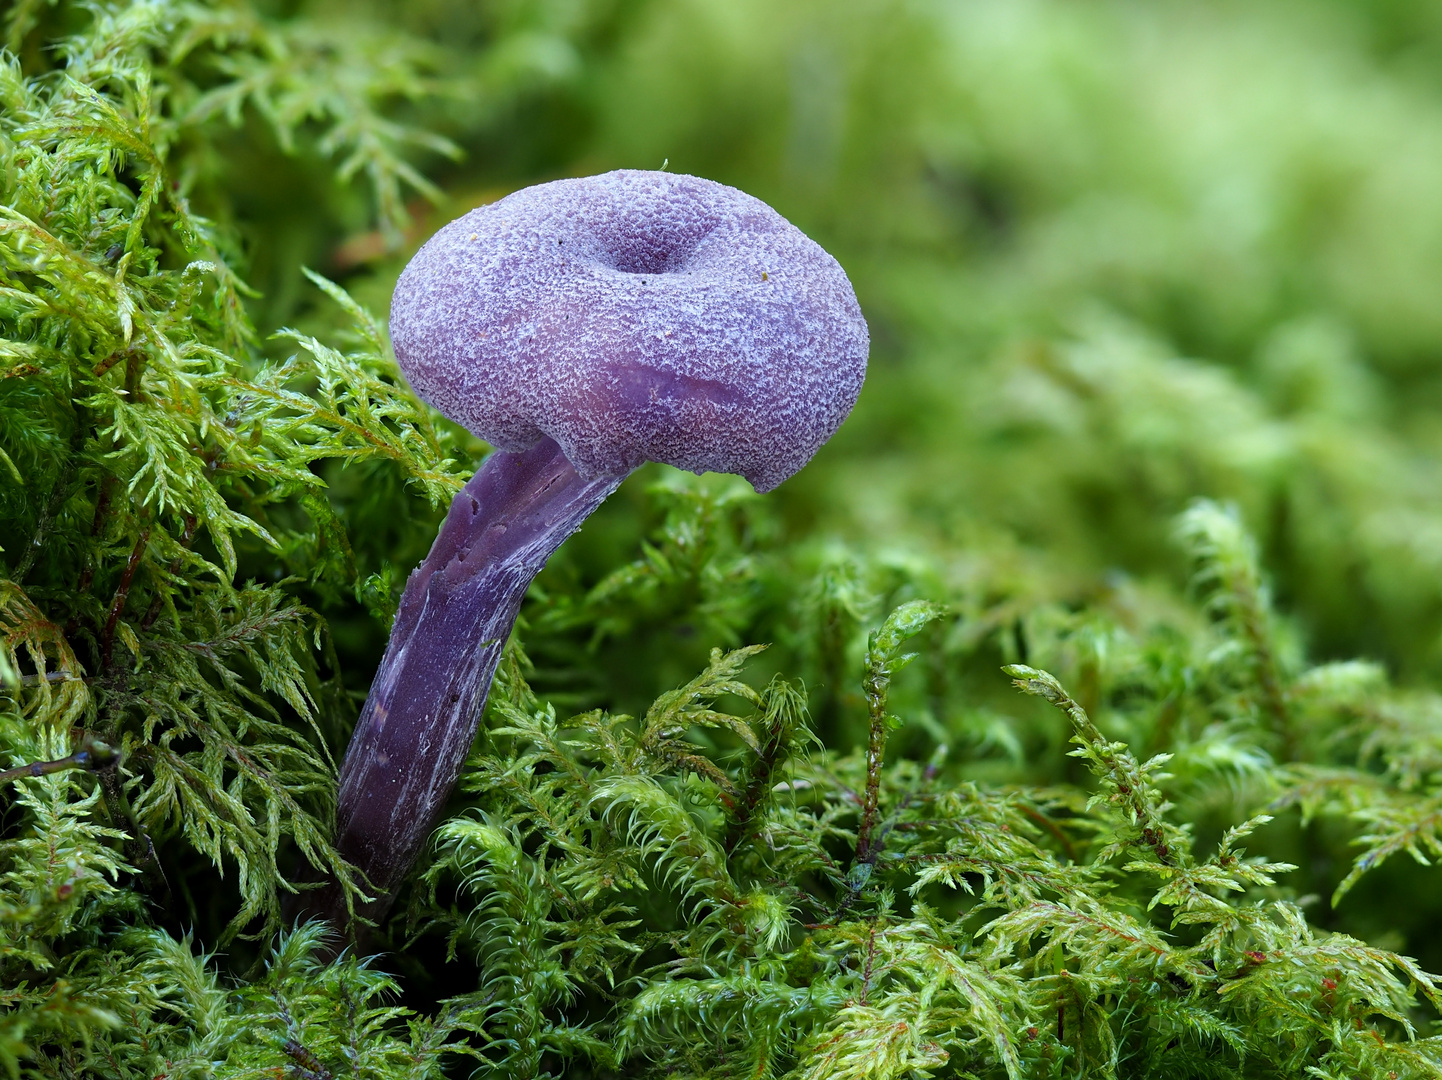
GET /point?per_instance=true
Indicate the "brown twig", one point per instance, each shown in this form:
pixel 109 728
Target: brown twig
pixel 93 754
pixel 134 367
pixel 122 593
pixel 108 363
pixel 307 1065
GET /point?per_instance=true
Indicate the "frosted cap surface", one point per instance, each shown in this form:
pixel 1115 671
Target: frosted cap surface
pixel 635 316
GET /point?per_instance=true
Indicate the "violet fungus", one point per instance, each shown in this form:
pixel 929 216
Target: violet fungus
pixel 582 327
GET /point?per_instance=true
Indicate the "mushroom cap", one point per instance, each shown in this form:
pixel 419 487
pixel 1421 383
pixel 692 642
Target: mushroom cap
pixel 631 317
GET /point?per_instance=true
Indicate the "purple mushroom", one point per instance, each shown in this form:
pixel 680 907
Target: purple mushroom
pixel 581 327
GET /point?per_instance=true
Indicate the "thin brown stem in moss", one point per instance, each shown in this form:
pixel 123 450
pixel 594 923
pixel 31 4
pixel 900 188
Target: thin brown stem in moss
pixel 122 594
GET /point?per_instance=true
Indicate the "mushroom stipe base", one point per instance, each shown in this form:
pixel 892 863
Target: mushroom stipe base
pixel 455 615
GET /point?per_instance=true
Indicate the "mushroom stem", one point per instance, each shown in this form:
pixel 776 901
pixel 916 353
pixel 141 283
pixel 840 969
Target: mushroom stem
pixel 453 621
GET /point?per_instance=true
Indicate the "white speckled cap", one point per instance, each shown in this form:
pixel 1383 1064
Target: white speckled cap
pixel 631 317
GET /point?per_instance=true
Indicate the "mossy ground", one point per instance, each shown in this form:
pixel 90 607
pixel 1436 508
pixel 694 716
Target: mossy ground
pixel 1153 421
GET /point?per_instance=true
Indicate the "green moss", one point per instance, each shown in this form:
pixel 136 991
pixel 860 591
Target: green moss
pixel 1151 424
